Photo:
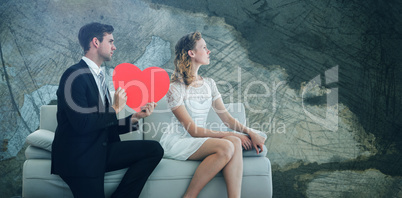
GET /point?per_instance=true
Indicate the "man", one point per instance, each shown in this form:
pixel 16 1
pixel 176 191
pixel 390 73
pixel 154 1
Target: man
pixel 87 143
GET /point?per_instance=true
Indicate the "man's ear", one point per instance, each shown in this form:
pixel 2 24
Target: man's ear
pixel 95 42
pixel 191 53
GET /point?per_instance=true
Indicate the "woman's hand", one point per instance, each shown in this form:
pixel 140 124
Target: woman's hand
pixel 257 141
pixel 245 141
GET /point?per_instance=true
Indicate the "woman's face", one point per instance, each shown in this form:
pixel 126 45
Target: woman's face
pixel 200 53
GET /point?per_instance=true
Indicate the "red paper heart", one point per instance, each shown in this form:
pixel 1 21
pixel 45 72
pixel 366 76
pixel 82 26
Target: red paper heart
pixel 141 87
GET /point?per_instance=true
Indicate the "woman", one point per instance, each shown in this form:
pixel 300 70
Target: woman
pixel 190 97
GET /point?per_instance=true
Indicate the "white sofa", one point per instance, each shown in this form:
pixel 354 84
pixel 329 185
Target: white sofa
pixel 169 179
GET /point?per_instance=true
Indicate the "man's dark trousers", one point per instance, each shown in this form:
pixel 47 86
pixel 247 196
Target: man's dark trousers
pixel 141 156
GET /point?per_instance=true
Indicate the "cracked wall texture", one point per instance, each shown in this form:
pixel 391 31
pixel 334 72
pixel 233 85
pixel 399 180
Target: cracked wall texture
pixel 321 78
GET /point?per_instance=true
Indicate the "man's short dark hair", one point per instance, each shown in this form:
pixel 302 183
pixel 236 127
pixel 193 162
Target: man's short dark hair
pixel 89 31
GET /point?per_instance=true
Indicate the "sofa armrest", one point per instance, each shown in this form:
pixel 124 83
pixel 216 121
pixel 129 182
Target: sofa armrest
pixel 33 152
pixel 41 138
pixel 253 153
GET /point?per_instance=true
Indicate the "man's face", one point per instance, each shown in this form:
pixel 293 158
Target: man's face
pixel 106 47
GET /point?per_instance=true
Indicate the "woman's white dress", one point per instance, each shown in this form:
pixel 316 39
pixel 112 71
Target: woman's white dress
pixel 176 141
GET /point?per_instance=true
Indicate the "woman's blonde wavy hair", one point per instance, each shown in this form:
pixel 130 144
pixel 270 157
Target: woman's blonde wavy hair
pixel 182 61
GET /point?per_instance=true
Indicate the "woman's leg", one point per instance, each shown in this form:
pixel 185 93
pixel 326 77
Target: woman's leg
pixel 215 153
pixel 233 171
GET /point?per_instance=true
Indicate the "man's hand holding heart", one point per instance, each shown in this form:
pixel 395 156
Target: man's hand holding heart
pixel 145 112
pixel 120 99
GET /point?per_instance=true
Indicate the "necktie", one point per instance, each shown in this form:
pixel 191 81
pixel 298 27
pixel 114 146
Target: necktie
pixel 104 87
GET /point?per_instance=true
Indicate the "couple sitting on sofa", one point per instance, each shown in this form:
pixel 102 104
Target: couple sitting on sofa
pixel 87 143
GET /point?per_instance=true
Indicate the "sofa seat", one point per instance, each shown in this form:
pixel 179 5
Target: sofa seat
pixel 170 175
pixel 174 176
pixel 175 169
pixel 52 186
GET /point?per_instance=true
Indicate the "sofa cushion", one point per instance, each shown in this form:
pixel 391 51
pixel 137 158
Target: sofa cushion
pixel 37 179
pixel 40 168
pixel 237 111
pixel 48 119
pixel 167 169
pixel 155 124
pixel 41 138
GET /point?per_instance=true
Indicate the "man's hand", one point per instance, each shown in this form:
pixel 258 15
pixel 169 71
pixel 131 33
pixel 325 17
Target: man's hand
pixel 120 99
pixel 145 112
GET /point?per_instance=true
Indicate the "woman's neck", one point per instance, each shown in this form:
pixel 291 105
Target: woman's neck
pixel 195 71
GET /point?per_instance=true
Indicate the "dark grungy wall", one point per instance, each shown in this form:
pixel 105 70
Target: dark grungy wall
pixel 321 78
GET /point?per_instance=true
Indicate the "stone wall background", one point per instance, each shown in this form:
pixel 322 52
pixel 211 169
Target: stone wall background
pixel 339 139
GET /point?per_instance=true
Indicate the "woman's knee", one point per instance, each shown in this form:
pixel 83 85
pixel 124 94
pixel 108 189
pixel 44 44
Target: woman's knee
pixel 225 149
pixel 235 140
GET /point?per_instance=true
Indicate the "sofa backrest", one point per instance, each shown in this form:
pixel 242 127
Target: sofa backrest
pixel 155 124
pixel 48 118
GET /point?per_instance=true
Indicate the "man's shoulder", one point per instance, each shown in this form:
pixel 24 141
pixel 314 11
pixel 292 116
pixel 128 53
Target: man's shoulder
pixel 80 67
pixel 75 72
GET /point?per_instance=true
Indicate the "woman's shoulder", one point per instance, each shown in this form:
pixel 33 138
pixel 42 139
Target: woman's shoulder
pixel 176 85
pixel 209 80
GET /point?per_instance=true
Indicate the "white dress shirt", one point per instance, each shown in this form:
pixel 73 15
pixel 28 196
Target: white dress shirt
pixel 95 70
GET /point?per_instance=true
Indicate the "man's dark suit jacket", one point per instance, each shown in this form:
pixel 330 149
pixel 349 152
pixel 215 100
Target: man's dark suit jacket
pixel 85 125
